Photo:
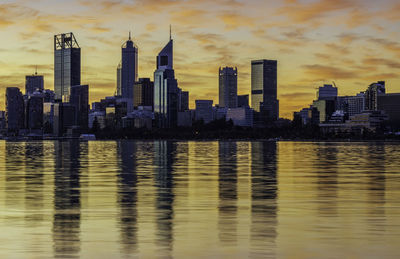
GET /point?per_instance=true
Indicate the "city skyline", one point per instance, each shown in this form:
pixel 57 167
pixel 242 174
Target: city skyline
pixel 359 48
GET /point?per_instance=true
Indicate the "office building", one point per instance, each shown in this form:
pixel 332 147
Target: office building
pixel 242 116
pixel 67 64
pixel 15 110
pixel 166 91
pixel 79 98
pixel 33 83
pixel 327 92
pixel 228 87
pixel 372 93
pixel 325 108
pixel 351 105
pixel 390 104
pixel 48 117
pixel 143 93
pixel 129 71
pixel 264 88
pixel 63 118
pixel 204 111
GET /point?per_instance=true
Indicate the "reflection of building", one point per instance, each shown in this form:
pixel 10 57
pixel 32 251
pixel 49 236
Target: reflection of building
pixel 264 88
pixel 33 83
pixel 228 87
pixel 67 64
pixel 166 91
pixel 204 110
pixel 127 196
pixel 264 187
pixel 15 108
pixel 67 199
pixel 228 178
pixel 164 158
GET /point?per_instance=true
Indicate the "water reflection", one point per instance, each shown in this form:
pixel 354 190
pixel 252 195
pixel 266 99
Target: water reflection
pixel 67 199
pixel 127 196
pixel 227 222
pixel 263 199
pixel 164 158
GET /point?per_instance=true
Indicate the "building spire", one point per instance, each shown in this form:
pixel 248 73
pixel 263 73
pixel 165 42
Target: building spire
pixel 170 32
pixel 36 70
pixel 129 35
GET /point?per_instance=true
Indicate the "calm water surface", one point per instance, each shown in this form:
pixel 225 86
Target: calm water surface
pixel 165 199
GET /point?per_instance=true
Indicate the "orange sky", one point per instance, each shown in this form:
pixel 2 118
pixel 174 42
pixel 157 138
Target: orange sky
pixel 353 43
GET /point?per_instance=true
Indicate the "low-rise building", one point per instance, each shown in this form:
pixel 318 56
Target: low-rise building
pixel 242 116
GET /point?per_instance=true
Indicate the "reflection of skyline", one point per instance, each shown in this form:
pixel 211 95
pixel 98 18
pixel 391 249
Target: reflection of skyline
pixel 67 195
pixel 164 158
pixel 227 186
pixel 127 196
pixel 264 186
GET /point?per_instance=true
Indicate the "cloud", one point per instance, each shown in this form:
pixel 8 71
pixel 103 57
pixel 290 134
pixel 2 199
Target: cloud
pixel 382 62
pixel 328 72
pixel 234 21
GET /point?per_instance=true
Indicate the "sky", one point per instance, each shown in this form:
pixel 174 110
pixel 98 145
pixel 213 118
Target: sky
pixel 353 43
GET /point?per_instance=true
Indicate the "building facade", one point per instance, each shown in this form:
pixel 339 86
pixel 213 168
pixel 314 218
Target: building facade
pixel 33 83
pixel 129 71
pixel 143 93
pixel 67 64
pixel 79 99
pixel 327 92
pixel 15 110
pixel 228 87
pixel 264 88
pixel 204 110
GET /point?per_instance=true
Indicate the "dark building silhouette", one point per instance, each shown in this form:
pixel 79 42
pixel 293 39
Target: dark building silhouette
pixel 243 100
pixel 34 112
pixel 371 95
pixel 63 118
pixel 119 80
pixel 264 88
pixel 15 110
pixel 227 186
pixel 67 64
pixel 143 93
pixel 33 83
pixel 129 71
pixel 390 104
pixel 183 101
pixel 228 87
pixel 166 91
pixel 79 98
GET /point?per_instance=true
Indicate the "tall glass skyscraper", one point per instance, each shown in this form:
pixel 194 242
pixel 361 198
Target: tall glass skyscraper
pixel 129 69
pixel 228 87
pixel 67 64
pixel 264 88
pixel 166 91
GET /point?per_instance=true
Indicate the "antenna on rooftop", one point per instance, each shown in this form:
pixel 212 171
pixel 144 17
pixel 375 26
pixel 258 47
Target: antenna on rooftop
pixel 170 32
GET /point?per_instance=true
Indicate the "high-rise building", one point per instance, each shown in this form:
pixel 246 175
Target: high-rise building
pixel 204 110
pixel 371 95
pixel 228 87
pixel 129 71
pixel 327 92
pixel 119 80
pixel 166 91
pixel 15 110
pixel 243 100
pixel 143 92
pixel 264 88
pixel 33 83
pixel 67 64
pixel 79 98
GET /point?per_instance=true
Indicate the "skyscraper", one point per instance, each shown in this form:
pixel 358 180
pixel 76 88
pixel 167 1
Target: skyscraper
pixel 264 88
pixel 67 64
pixel 143 92
pixel 228 87
pixel 129 71
pixel 166 96
pixel 33 83
pixel 371 95
pixel 15 110
pixel 327 92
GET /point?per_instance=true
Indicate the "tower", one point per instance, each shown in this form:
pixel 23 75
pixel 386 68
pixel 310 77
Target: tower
pixel 129 70
pixel 67 64
pixel 228 87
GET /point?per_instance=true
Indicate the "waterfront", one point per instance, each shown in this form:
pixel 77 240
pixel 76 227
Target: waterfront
pixel 112 199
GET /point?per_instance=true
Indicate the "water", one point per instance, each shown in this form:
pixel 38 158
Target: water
pixel 199 199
